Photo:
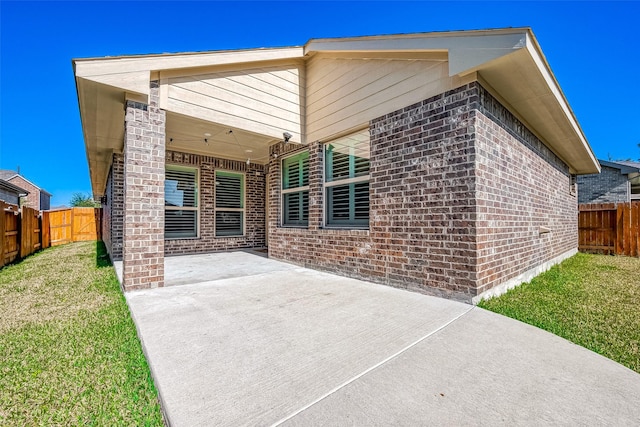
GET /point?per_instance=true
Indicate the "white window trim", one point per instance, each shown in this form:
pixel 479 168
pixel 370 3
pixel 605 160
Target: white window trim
pixel 326 185
pixel 573 184
pixel 290 190
pixel 175 208
pixel 243 209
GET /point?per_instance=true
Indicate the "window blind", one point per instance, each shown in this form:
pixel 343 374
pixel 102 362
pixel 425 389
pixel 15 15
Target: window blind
pixel 181 202
pixel 295 190
pixel 347 162
pixel 229 206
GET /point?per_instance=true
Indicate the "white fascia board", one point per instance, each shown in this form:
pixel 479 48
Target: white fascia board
pixel 132 73
pixel 92 67
pixel 554 87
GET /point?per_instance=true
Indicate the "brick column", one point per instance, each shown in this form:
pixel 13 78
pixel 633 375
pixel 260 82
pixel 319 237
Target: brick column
pixel 315 185
pixel 144 163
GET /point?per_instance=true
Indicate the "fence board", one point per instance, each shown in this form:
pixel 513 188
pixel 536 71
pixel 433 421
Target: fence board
pixel 60 226
pixel 2 231
pixel 85 224
pixel 24 231
pixel 46 231
pixel 11 233
pixel 609 228
pixel 633 230
pixel 637 216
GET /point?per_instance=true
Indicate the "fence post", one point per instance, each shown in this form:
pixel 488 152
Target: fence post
pixel 634 229
pixel 3 229
pixel 45 230
pixel 637 217
pixel 620 230
pixel 19 237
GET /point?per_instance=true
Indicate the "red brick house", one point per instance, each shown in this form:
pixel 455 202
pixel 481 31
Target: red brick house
pixel 36 197
pixel 439 162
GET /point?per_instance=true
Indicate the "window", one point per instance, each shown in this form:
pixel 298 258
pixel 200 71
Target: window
pixel 180 202
pixel 634 185
pixel 346 181
pixel 229 208
pixel 573 184
pixel 295 190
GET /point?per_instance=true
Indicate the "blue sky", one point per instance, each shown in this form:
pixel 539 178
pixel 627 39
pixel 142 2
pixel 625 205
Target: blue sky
pixel 592 48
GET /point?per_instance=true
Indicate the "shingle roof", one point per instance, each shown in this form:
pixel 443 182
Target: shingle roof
pixel 625 166
pixel 629 163
pixel 6 173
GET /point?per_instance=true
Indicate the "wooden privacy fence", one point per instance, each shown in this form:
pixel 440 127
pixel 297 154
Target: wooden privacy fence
pixel 74 225
pixel 24 231
pixel 20 232
pixel 609 228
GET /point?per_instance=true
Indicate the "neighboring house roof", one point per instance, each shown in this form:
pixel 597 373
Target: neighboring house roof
pixel 625 166
pixel 13 188
pixel 507 61
pixel 8 175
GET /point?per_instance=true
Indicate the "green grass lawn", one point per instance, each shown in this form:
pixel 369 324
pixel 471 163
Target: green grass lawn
pixel 591 300
pixel 69 353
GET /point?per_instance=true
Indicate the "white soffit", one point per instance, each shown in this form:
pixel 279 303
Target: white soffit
pixel 467 50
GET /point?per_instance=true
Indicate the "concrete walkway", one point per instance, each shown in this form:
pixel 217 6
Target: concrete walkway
pixel 269 343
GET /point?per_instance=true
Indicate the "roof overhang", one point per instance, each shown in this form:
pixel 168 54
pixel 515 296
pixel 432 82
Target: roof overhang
pixel 510 64
pixel 507 62
pixel 104 84
pixel 13 188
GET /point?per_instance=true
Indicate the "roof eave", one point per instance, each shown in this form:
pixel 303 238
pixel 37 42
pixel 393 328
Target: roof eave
pixel 545 69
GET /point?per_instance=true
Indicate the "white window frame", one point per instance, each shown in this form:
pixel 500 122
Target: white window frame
pixel 326 185
pixel 243 209
pixel 284 191
pixel 632 196
pixel 176 208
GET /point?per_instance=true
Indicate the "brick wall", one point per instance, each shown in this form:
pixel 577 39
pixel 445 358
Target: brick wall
pixel 421 234
pixel 609 186
pixel 254 205
pixel 113 210
pixel 32 200
pixel 112 220
pixel 521 186
pixel 458 191
pixel 143 228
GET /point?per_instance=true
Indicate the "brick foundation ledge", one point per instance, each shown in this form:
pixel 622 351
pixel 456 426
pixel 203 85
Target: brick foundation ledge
pixel 522 278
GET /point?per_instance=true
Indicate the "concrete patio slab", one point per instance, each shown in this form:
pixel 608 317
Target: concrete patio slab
pixel 271 343
pixel 486 369
pixel 187 269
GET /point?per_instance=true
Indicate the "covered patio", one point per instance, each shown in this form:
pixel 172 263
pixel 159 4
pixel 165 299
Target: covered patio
pixel 200 268
pixel 180 143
